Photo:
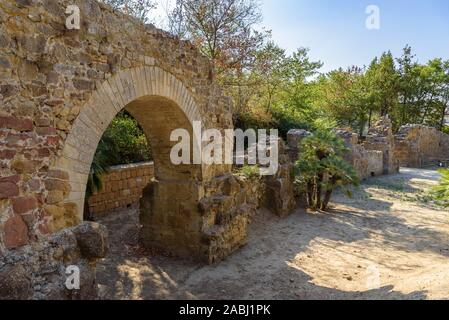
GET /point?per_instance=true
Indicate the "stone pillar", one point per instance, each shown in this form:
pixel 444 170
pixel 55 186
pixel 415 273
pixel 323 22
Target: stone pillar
pixel 380 138
pixel 171 222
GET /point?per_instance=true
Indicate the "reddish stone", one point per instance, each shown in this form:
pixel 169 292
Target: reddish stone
pixel 7 154
pixel 8 190
pixel 43 229
pixel 43 152
pixel 53 184
pixel 15 232
pixel 13 179
pixel 52 140
pixel 46 131
pixel 14 140
pixel 43 122
pixel 23 205
pixel 8 187
pixel 34 185
pixel 19 124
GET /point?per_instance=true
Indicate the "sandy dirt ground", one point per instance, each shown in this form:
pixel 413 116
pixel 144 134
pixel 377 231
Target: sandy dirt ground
pixel 387 242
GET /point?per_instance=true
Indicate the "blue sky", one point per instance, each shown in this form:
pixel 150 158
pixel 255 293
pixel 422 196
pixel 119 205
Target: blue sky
pixel 335 31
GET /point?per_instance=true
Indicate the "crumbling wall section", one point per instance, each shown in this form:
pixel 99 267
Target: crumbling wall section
pixel 39 271
pixel 418 146
pixel 367 163
pixel 380 138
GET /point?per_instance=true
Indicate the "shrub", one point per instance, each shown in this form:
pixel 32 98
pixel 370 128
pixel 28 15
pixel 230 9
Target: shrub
pixel 124 141
pixel 250 171
pixel 321 168
pixel 441 192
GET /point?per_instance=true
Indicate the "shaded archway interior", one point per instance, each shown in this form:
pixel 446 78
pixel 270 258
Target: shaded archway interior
pixel 158 117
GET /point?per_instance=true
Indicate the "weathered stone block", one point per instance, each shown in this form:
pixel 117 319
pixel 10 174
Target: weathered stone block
pixel 93 240
pixel 15 233
pixel 8 187
pixel 23 205
pixel 14 283
pixel 18 124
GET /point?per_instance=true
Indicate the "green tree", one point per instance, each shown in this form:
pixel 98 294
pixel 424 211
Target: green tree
pixel 407 88
pixel 124 142
pixel 321 168
pixel 382 81
pixel 223 30
pixel 347 98
pixel 100 165
pixel 296 106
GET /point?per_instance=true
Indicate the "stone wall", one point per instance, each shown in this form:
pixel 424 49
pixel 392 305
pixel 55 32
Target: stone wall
pixel 418 146
pixel 367 163
pixel 228 203
pixel 121 186
pixel 374 154
pixel 59 91
pixel 38 271
pixel 380 138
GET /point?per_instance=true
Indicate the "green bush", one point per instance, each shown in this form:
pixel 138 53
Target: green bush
pixel 321 168
pixel 124 141
pixel 250 171
pixel 441 192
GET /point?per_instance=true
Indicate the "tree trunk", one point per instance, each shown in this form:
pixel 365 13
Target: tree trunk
pixel 319 190
pixel 327 199
pixel 315 194
pixel 309 194
pixel 370 118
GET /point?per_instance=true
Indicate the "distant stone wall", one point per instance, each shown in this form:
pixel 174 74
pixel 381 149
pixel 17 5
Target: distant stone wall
pixel 373 155
pixel 417 146
pixel 367 163
pixel 380 138
pixel 122 186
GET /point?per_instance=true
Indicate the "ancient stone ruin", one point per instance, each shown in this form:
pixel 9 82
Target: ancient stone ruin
pixel 382 152
pixel 374 154
pixel 419 146
pixel 59 90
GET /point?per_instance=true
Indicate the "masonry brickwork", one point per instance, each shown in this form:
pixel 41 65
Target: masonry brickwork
pixel 121 186
pixel 60 89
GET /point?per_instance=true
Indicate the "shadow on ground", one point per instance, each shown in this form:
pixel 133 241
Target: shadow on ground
pixel 272 264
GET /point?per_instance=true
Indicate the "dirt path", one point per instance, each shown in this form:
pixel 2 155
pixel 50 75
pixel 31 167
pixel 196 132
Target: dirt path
pixel 386 242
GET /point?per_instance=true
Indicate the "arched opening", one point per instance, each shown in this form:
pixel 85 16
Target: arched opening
pixel 121 168
pixel 160 103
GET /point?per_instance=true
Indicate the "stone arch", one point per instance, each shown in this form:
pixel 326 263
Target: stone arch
pixel 59 91
pixel 133 89
pixel 160 103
